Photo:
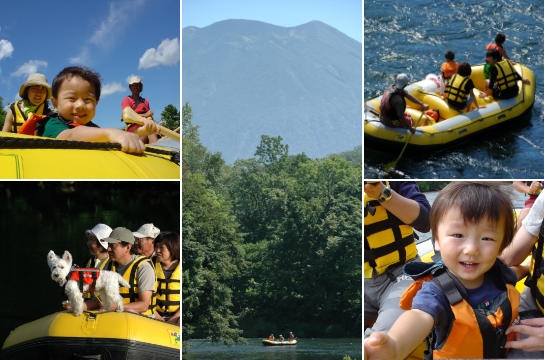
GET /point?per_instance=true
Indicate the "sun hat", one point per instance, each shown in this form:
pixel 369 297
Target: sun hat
pixel 147 231
pixel 100 232
pixel 33 80
pixel 120 234
pixel 402 80
pixel 133 79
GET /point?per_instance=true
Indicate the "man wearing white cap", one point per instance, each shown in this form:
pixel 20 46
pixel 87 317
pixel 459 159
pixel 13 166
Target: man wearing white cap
pixel 140 105
pixel 393 105
pixel 145 238
pixel 137 270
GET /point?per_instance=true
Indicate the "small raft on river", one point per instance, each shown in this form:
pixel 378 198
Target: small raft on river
pixel 267 342
pixel 93 335
pixel 452 125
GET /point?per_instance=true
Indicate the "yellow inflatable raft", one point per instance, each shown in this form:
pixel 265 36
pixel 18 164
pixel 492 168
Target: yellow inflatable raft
pixel 32 157
pixel 452 125
pixel 93 335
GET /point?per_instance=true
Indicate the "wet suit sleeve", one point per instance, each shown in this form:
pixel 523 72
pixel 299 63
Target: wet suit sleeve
pixel 410 190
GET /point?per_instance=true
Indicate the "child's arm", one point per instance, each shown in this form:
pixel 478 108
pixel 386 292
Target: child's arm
pixel 130 143
pixel 409 330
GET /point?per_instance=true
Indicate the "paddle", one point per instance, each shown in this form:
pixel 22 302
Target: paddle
pixel 393 164
pixel 131 117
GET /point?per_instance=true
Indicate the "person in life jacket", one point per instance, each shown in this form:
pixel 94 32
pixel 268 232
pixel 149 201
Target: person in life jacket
pixel 503 77
pixel 460 88
pixel 136 269
pixel 528 240
pixel 145 241
pixel 98 249
pixel 167 269
pixel 393 210
pixel 499 40
pixel 75 95
pixel 470 307
pixel 34 92
pixel 141 106
pixel 393 105
pixel 449 67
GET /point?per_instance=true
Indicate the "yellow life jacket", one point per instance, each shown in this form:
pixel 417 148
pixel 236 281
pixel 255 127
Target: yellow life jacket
pixel 507 75
pixel 471 333
pixel 19 116
pixel 535 277
pixel 387 240
pixel 456 90
pixel 168 290
pixel 131 294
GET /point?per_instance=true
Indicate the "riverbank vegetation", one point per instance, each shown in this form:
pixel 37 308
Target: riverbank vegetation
pixel 271 242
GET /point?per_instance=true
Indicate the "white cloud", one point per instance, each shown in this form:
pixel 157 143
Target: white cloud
pixel 109 89
pixel 6 48
pixel 118 19
pixel 30 67
pixel 167 53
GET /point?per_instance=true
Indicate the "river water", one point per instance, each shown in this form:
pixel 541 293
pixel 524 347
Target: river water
pixel 306 349
pixel 412 37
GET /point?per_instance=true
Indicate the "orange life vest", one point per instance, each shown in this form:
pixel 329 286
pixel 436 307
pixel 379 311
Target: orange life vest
pixel 472 333
pixel 85 276
pixel 449 69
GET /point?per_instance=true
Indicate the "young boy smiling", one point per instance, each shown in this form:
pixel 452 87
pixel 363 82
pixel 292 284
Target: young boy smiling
pixel 75 95
pixel 470 292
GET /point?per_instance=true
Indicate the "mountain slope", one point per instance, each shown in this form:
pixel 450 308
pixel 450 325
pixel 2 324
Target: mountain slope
pixel 247 78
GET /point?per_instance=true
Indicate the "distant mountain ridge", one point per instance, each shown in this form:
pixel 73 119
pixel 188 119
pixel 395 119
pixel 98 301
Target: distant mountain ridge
pixel 246 78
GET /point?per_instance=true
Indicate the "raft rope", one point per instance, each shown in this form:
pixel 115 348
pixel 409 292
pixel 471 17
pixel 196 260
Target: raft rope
pixel 45 143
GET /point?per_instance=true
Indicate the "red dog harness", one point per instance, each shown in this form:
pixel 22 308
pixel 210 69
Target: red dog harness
pixel 85 276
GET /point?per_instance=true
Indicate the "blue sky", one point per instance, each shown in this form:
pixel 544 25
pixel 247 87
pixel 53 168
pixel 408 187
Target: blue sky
pixel 344 15
pixel 116 38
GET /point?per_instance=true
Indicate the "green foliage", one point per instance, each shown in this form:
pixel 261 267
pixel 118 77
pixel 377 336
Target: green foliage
pixel 211 254
pixel 2 112
pixel 170 117
pixel 272 242
pixel 302 218
pixel 353 156
pixel 427 186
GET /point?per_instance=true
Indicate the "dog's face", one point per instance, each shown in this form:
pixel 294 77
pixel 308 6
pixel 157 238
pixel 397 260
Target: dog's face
pixel 60 267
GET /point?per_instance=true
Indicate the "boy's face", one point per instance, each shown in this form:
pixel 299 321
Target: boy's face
pixel 76 100
pixel 468 250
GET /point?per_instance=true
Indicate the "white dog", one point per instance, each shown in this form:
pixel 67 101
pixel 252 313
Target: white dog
pixel 106 283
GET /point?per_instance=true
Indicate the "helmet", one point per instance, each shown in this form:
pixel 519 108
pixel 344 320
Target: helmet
pixel 402 80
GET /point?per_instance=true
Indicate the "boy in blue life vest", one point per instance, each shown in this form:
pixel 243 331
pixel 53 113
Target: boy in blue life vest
pixel 455 298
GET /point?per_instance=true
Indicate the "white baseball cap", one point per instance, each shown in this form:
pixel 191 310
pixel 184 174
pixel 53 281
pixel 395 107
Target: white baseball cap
pixel 147 230
pixel 133 79
pixel 100 232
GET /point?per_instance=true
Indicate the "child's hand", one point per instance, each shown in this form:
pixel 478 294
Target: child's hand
pixel 130 142
pixel 378 346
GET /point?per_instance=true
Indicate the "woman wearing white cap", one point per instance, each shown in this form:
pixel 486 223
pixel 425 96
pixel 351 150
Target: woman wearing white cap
pixel 34 93
pixel 98 248
pixel 140 105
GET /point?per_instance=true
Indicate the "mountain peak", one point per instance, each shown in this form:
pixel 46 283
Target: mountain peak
pixel 246 78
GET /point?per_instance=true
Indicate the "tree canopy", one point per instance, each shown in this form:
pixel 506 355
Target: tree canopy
pixel 271 243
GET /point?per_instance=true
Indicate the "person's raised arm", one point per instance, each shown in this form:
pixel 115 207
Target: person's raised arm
pixel 409 330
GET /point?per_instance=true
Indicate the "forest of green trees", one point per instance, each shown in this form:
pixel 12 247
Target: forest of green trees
pixel 271 243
